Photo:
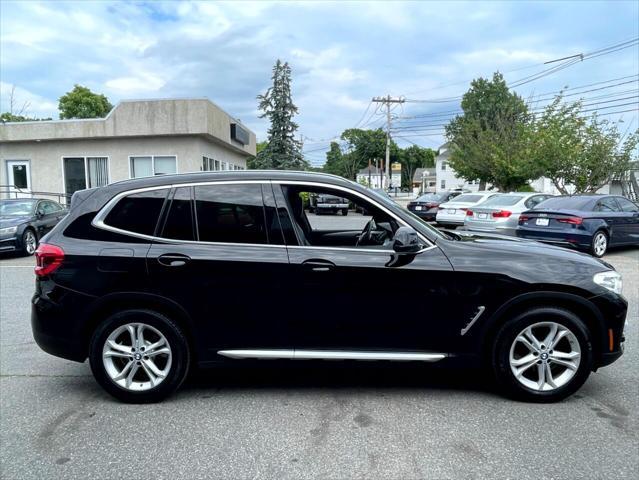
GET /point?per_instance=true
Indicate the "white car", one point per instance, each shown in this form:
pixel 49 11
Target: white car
pixel 453 213
pixel 500 214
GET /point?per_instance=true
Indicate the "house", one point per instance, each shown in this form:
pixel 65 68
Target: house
pixel 370 176
pixel 446 177
pixel 137 138
pixel 424 180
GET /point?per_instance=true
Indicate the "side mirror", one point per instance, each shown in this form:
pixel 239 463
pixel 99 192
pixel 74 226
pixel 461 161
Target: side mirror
pixel 406 240
pixel 39 214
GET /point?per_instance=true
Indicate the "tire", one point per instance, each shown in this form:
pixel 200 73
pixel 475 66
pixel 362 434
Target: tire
pixel 29 242
pixel 563 381
pixel 345 212
pixel 599 244
pixel 142 389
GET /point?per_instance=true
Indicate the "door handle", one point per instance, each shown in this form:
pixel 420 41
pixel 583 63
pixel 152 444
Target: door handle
pixel 319 265
pixel 173 260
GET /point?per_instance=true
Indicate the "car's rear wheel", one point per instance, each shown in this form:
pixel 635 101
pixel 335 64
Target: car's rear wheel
pixel 29 242
pixel 139 356
pixel 543 355
pixel 599 244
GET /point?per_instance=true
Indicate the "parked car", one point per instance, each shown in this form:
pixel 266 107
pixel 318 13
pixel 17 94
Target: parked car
pixel 500 214
pixel 590 223
pixel 330 204
pixel 146 277
pixel 453 213
pixel 24 221
pixel 426 206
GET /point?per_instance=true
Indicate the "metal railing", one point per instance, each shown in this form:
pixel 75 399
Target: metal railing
pixel 11 191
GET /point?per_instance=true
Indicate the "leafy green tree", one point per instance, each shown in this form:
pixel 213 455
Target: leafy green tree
pixel 334 160
pixel 83 103
pixel 282 151
pixel 490 141
pixel 580 154
pixel 412 158
pixel 250 162
pixel 10 117
pixel 364 146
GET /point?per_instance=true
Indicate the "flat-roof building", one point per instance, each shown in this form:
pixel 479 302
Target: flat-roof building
pixel 138 138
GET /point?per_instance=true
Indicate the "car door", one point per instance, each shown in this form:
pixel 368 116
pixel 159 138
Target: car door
pixel 217 259
pixel 608 210
pixel 48 215
pixel 628 221
pixel 350 298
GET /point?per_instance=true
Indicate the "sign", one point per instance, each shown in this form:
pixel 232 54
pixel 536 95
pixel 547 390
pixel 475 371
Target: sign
pixel 396 175
pixel 239 134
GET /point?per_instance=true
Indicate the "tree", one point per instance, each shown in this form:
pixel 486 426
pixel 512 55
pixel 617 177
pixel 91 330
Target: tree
pixel 18 113
pixel 83 103
pixel 490 141
pixel 580 154
pixel 334 160
pixel 282 151
pixel 412 158
pixel 363 146
pixel 259 146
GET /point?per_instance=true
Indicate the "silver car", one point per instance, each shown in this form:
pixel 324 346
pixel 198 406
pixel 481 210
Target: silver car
pixel 453 213
pixel 500 214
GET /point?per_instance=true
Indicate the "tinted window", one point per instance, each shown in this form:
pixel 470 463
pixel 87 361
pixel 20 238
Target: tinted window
pixel 272 217
pixel 532 202
pixel 230 213
pixel 47 207
pixel 502 201
pixel 432 197
pixel 569 203
pixel 179 221
pixel 607 205
pixel 138 212
pixel 468 198
pixel 626 205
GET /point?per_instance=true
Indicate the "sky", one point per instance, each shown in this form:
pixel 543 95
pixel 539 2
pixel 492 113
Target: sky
pixel 341 53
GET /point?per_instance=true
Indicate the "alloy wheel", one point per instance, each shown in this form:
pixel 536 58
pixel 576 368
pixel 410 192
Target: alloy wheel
pixel 30 242
pixel 545 356
pixel 137 356
pixel 600 243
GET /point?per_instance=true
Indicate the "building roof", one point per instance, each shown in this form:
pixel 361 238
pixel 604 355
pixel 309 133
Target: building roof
pixel 422 172
pixel 138 118
pixel 373 171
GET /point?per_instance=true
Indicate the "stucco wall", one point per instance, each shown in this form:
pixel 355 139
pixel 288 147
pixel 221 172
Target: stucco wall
pixel 45 157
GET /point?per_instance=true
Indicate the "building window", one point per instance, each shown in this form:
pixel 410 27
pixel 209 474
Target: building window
pixel 443 184
pixel 148 166
pixel 84 172
pixel 444 164
pixel 210 164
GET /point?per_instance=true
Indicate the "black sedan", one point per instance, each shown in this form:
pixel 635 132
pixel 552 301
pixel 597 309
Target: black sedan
pixel 591 223
pixel 426 206
pixel 24 221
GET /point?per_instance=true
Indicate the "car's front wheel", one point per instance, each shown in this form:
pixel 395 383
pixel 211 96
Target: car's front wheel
pixel 29 242
pixel 139 356
pixel 543 355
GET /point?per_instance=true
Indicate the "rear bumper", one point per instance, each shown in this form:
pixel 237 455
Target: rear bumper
pixel 575 239
pixel 428 215
pixel 58 324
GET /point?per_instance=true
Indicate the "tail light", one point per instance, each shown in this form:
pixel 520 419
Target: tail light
pixel 469 213
pixel 523 218
pixel 48 259
pixel 502 214
pixel 571 220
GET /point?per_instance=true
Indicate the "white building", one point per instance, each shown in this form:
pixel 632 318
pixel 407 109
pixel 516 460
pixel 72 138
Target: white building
pixel 446 178
pixel 136 139
pixel 370 176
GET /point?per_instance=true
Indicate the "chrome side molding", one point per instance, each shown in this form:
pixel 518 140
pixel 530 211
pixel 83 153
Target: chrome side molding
pixel 333 355
pixel 480 310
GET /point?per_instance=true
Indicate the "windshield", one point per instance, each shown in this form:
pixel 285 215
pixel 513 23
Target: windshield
pixel 569 203
pixel 431 197
pixel 468 198
pixel 16 209
pixel 502 201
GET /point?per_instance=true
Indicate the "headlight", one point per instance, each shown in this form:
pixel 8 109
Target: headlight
pixel 8 230
pixel 610 280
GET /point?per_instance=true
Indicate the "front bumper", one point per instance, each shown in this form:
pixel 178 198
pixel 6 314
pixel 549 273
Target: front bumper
pixel 9 244
pixel 614 309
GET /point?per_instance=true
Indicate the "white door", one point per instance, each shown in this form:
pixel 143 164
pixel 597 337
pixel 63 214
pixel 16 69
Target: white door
pixel 19 178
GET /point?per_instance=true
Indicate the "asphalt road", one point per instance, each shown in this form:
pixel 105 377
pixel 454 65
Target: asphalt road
pixel 307 422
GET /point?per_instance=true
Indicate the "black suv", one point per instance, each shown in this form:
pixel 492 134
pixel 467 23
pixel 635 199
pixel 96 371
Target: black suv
pixel 147 277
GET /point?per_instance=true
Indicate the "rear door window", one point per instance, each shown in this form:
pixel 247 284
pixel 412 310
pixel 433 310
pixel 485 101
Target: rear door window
pixel 231 213
pixel 180 223
pixel 138 212
pixel 626 205
pixel 607 205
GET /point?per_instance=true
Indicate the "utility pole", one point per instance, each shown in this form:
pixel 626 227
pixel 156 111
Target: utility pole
pixel 387 100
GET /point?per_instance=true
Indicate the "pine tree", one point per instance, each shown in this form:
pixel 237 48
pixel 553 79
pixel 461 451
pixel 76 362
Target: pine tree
pixel 283 151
